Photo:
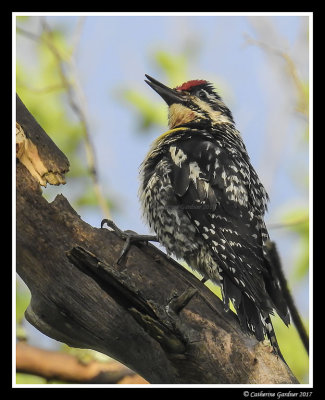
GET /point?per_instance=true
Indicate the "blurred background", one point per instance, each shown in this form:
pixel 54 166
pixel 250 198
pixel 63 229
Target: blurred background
pixel 82 77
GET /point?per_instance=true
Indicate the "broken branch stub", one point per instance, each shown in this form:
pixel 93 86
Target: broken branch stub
pixel 36 151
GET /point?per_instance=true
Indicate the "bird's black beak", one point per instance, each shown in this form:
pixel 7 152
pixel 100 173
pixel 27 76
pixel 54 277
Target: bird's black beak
pixel 171 96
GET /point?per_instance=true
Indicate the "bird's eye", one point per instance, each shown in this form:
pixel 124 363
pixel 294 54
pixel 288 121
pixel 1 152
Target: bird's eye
pixel 202 94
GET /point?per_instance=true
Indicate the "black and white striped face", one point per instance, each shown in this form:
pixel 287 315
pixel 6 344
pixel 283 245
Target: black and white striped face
pixel 194 100
pixel 204 102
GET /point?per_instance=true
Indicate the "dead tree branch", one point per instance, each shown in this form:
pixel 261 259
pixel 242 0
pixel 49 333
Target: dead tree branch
pixel 149 313
pixel 68 368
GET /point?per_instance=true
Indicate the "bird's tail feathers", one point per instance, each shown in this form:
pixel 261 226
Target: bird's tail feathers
pixel 252 320
pixel 270 333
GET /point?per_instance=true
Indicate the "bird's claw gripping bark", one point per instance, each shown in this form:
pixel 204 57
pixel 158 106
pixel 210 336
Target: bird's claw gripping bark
pixel 129 237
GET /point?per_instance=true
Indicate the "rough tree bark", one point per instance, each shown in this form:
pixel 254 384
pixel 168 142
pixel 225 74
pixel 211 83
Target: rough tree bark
pixel 149 313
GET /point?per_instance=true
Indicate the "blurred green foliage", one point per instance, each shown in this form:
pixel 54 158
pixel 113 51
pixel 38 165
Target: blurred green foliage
pixel 29 379
pixel 297 221
pixel 45 89
pixel 148 114
pixel 292 349
pixel 151 113
pixel 174 68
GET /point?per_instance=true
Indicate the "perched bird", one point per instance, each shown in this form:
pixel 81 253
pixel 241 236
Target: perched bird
pixel 206 204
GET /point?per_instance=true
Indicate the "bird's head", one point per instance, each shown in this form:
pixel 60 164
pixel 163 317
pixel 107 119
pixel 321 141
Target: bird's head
pixel 194 101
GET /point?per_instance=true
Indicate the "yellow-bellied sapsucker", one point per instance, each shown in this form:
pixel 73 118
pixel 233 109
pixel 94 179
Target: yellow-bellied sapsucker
pixel 206 204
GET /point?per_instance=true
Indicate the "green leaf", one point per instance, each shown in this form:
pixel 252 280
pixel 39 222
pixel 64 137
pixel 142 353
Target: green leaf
pixel 292 348
pixel 297 220
pixel 174 66
pixel 29 379
pixel 88 198
pixel 23 297
pixel 22 18
pixel 150 114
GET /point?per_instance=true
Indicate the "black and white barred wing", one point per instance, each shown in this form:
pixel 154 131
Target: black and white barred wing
pixel 214 188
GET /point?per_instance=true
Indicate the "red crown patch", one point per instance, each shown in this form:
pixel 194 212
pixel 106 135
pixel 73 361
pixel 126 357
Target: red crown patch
pixel 188 85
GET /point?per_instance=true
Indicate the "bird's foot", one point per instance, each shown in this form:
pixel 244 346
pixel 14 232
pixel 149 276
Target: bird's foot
pixel 129 237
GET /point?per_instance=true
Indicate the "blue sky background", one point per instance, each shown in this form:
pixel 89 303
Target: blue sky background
pixel 115 52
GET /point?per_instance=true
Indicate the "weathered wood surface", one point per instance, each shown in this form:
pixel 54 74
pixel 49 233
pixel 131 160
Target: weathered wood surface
pixel 148 313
